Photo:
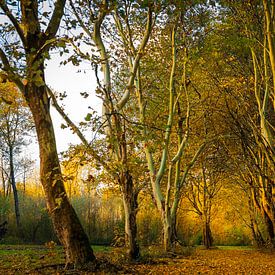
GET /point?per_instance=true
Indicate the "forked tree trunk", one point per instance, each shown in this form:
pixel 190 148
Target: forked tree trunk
pixel 174 215
pixel 130 209
pixel 66 223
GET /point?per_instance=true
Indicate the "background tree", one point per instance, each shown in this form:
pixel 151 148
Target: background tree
pixel 202 188
pixel 173 45
pixel 251 18
pixel 15 125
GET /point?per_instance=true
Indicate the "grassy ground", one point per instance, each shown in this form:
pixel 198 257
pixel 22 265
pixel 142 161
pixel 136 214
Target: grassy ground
pixel 23 259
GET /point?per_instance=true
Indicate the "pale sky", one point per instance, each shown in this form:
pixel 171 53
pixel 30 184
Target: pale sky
pixel 67 78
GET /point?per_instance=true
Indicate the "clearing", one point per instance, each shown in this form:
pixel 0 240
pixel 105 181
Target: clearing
pixel 23 259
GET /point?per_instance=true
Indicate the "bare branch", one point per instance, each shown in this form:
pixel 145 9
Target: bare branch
pixel 121 103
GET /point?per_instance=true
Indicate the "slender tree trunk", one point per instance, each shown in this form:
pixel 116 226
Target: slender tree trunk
pixel 175 206
pixel 66 223
pixel 8 188
pixel 269 25
pixel 24 181
pixel 3 176
pixel 130 208
pixel 15 193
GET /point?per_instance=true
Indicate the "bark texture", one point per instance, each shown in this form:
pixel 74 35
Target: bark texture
pixel 36 43
pixel 66 223
pixel 130 209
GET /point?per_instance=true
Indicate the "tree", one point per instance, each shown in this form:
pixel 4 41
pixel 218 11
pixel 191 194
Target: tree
pixel 253 17
pixel 269 30
pixel 33 34
pixel 15 124
pixel 172 108
pixel 202 188
pixel 118 165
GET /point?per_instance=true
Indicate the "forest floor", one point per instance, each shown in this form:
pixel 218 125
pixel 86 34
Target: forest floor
pixel 22 259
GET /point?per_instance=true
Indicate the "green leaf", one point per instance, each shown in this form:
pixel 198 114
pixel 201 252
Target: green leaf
pixel 88 117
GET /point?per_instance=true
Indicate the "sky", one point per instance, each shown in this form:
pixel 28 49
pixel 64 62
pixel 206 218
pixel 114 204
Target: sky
pixel 67 78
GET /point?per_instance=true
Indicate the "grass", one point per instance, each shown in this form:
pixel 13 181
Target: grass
pixel 229 247
pixel 49 259
pixel 101 248
pixel 28 257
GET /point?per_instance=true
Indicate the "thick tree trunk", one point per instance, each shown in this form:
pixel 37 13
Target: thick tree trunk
pixel 36 44
pixel 130 209
pixel 174 237
pixel 256 233
pixel 270 230
pixel 174 212
pixel 66 223
pixel 207 238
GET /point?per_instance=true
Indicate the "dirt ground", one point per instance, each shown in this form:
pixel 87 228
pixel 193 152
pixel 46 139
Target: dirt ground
pixel 39 260
pixel 213 262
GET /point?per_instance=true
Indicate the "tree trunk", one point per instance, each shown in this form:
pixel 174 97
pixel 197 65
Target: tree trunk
pixel 207 238
pixel 167 230
pixel 15 193
pixel 174 237
pixel 66 223
pixel 270 230
pixel 256 233
pixel 3 176
pixel 130 208
pixel 36 44
pixel 174 212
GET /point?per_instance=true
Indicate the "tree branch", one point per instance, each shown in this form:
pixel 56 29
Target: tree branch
pixel 121 103
pixel 9 73
pixel 191 163
pixel 54 23
pixel 76 130
pixel 14 21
